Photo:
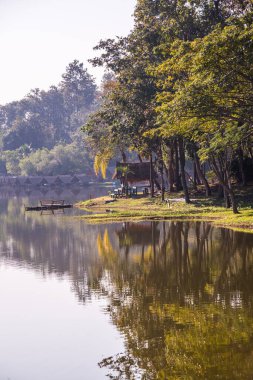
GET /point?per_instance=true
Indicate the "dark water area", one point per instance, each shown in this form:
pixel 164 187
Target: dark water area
pixel 149 300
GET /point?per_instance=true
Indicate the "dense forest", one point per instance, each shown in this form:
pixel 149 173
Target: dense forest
pixel 40 134
pixel 179 90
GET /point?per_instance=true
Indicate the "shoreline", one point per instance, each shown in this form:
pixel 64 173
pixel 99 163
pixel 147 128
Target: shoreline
pixel 104 210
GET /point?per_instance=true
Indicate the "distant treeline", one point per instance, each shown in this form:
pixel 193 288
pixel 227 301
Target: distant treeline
pixel 180 88
pixel 40 134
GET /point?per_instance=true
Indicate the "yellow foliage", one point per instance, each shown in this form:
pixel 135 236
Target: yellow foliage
pixel 101 162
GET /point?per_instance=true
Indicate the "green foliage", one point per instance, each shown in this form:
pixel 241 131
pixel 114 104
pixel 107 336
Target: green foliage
pixel 206 96
pixel 43 113
pixel 182 86
pixel 47 122
pixel 62 159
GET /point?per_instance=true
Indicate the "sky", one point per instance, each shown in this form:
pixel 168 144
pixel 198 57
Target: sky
pixel 39 38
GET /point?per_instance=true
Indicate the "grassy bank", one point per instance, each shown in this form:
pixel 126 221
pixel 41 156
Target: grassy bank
pixel 153 209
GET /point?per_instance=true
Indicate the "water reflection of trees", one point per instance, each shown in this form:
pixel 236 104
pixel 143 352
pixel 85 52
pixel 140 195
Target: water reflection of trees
pixel 181 293
pixel 184 304
pixel 48 244
pixel 180 258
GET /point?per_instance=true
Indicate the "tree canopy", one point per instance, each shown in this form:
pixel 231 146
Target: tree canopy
pixel 182 91
pixel 46 119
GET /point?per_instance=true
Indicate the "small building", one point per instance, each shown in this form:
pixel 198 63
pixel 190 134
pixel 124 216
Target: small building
pixel 133 172
pixel 58 182
pixel 15 181
pixel 75 180
pixel 83 179
pixel 40 181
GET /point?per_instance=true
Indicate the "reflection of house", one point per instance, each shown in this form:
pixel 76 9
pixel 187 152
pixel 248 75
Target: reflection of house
pixel 15 181
pixel 138 234
pixel 45 181
pixel 75 180
pixel 133 172
pixel 58 182
pixel 82 178
pixel 37 181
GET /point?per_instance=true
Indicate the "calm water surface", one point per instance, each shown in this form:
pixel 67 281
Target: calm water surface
pixel 167 300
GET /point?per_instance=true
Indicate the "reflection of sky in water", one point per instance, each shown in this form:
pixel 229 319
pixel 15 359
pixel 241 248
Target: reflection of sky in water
pixel 46 334
pixel 68 288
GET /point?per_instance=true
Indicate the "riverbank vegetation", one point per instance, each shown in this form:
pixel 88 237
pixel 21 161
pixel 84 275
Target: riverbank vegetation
pixel 179 93
pixel 210 209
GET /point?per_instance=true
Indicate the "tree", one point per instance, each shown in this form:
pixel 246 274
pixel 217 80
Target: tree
pixel 78 87
pixel 45 119
pixel 208 96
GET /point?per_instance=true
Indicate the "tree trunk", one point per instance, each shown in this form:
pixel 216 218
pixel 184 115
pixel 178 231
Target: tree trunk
pixel 182 166
pixel 171 179
pixel 161 170
pixel 162 183
pixel 201 175
pixel 123 154
pixel 224 181
pixel 226 198
pixel 233 201
pixel 151 178
pixel 176 171
pixel 242 172
pixel 195 177
pixel 157 184
pixel 220 191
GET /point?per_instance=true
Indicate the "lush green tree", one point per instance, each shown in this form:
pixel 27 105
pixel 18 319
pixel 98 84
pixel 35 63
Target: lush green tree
pixel 157 25
pixel 206 96
pixel 45 118
pixel 78 89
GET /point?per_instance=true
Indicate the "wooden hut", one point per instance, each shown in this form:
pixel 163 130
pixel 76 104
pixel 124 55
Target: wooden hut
pixel 27 182
pixel 131 172
pixel 83 179
pixel 15 181
pixel 75 180
pixel 58 182
pixel 66 179
pixel 32 181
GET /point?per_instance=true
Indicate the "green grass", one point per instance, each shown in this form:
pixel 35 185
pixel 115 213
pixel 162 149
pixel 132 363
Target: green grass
pixel 138 209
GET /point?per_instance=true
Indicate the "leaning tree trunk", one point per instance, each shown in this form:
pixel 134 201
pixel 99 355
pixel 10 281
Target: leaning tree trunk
pixel 182 166
pixel 140 158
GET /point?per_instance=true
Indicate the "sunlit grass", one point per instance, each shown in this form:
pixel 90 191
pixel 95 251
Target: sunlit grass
pixel 153 209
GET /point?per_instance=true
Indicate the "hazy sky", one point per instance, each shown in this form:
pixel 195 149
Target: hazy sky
pixel 38 38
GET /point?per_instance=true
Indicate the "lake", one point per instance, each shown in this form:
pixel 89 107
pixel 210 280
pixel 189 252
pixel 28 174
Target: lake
pixel 165 300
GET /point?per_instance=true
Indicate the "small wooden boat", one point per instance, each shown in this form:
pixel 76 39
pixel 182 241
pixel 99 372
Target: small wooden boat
pixel 49 204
